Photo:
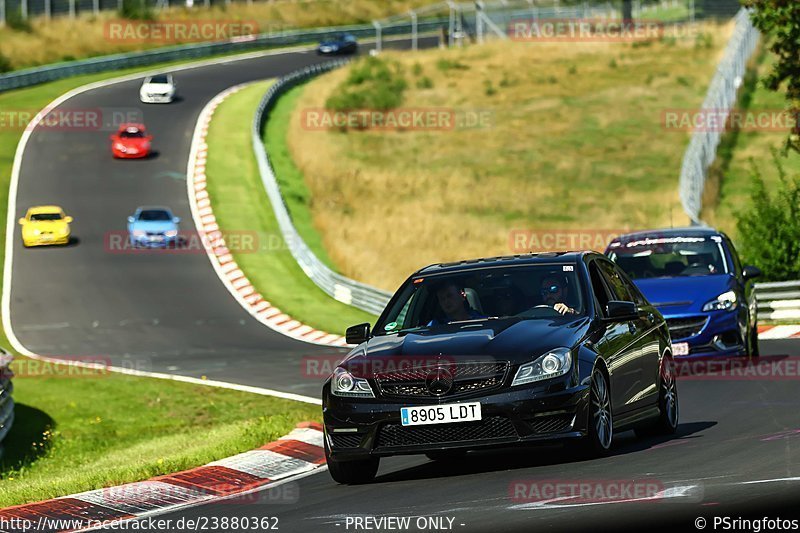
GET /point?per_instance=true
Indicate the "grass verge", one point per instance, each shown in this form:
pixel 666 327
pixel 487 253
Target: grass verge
pixel 240 202
pixel 86 432
pixel 573 143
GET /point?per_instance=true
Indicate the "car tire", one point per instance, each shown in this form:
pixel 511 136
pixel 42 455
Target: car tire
pixel 600 424
pixel 752 344
pixel 352 472
pixel 668 405
pixel 446 455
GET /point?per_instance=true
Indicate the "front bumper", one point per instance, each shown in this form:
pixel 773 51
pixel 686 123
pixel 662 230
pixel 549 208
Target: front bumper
pixel 153 241
pixel 156 99
pixel 721 335
pixel 361 428
pixel 42 240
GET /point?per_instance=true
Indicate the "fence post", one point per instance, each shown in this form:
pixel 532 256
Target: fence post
pixel 96 7
pixel 414 33
pixel 2 13
pixel 23 6
pixel 378 37
pixel 72 9
pixel 48 9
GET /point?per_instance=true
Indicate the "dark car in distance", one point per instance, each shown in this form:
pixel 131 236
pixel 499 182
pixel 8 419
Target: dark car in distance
pixel 695 278
pixel 341 44
pixel 496 352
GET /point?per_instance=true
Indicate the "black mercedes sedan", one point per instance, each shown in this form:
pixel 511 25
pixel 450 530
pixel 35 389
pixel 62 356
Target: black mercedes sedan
pixel 501 351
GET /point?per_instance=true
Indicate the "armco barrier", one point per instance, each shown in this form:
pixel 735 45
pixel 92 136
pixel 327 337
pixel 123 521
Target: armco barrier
pixel 33 76
pixel 778 300
pixel 346 290
pixel 6 389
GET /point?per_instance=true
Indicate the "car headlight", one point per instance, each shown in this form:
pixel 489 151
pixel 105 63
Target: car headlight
pixel 553 364
pixel 724 302
pixel 36 232
pixel 343 383
pixel 120 147
pixel 139 233
pixel 171 233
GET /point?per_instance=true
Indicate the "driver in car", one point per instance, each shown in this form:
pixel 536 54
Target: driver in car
pixel 554 292
pixel 453 303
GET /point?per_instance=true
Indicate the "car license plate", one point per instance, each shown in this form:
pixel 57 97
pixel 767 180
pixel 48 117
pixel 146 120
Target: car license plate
pixel 440 414
pixel 680 348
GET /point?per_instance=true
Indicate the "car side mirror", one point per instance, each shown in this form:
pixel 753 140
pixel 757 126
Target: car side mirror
pixel 750 272
pixel 22 221
pixel 176 220
pixel 149 137
pixel 618 310
pixel 357 334
pixel 68 219
pixel 130 220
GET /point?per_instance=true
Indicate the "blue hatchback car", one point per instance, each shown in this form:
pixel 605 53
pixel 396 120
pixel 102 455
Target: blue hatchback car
pixel 153 227
pixel 695 279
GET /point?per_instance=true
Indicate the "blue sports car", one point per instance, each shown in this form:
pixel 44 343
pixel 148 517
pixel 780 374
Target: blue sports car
pixel 153 227
pixel 694 277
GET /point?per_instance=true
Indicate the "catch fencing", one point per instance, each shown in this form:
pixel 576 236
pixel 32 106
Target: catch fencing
pixel 720 100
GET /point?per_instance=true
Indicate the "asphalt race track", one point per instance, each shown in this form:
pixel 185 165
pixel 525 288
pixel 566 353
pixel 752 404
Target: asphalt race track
pixel 169 312
pixel 146 311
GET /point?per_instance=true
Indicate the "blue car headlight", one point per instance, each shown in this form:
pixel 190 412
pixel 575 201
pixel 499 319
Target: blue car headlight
pixel 138 233
pixel 726 301
pixel 553 364
pixel 171 233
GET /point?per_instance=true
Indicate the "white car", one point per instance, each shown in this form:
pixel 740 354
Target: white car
pixel 158 89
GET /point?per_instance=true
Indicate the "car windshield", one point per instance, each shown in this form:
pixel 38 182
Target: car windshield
pixel 154 215
pixel 513 292
pixel 670 257
pixel 131 134
pixel 38 217
pixel 159 80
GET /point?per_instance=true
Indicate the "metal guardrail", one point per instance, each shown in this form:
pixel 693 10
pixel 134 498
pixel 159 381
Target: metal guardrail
pixel 33 76
pixel 778 300
pixel 346 290
pixel 720 99
pixel 6 390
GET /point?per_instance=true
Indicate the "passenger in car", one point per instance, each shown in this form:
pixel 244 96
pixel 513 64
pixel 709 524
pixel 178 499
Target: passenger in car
pixel 453 303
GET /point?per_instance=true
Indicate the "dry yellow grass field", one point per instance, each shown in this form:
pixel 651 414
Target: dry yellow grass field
pixel 575 144
pixel 64 39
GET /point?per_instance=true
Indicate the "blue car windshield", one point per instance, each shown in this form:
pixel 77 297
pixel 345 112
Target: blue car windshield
pixel 524 292
pixel 670 257
pixel 154 216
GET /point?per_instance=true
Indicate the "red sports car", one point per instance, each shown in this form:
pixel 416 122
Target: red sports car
pixel 131 141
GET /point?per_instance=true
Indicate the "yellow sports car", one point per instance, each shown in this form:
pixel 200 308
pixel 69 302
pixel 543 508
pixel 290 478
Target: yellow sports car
pixel 44 225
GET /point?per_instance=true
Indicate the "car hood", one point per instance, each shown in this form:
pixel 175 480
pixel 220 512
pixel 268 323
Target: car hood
pixel 512 340
pixel 153 226
pixel 679 295
pixel 331 43
pixel 132 142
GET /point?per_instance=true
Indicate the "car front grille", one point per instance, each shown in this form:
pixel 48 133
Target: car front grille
pixel 346 440
pixel 682 328
pixel 551 423
pixel 495 427
pixel 467 377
